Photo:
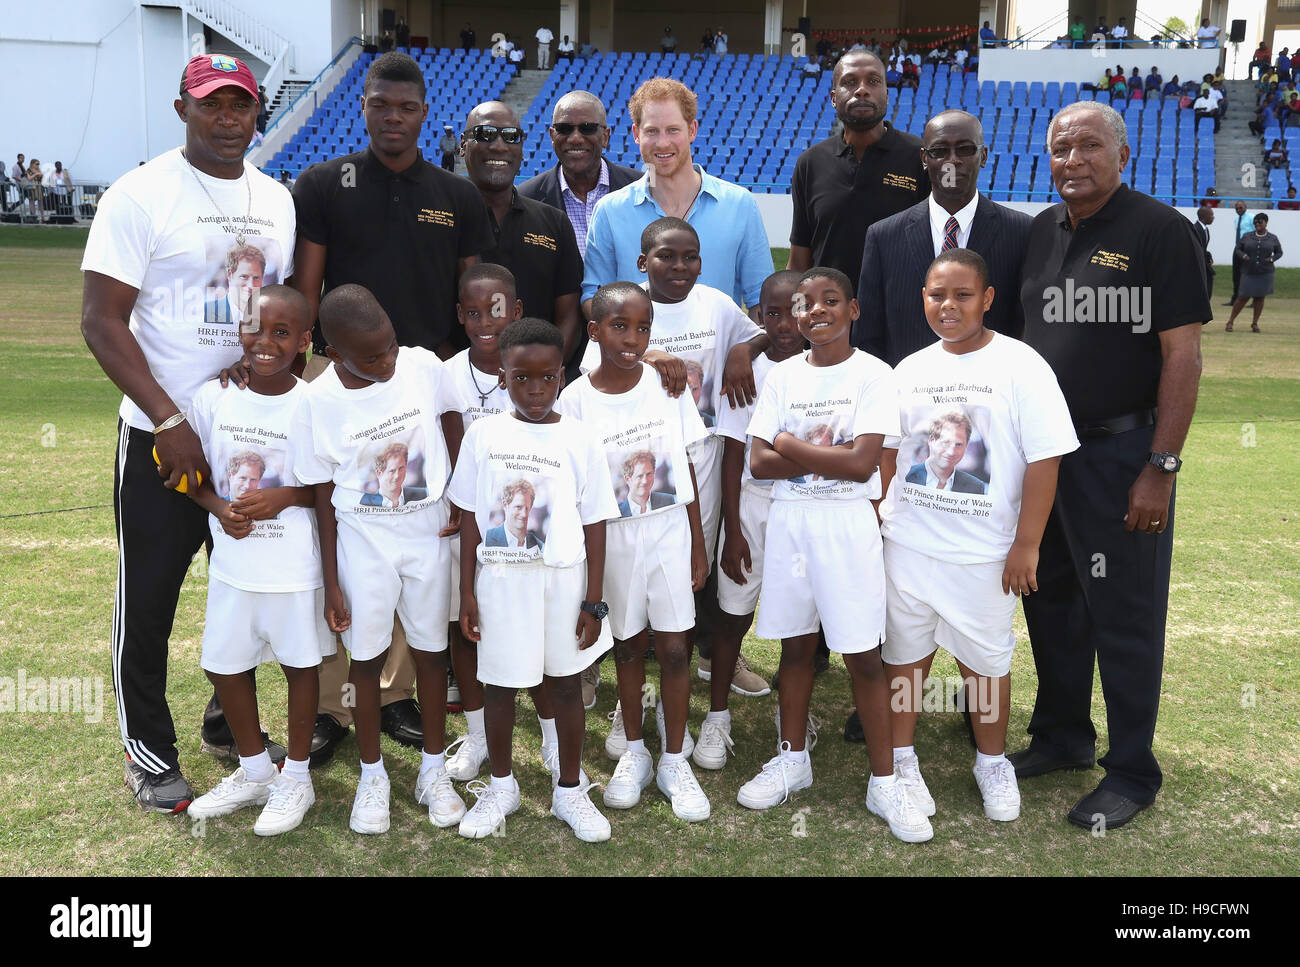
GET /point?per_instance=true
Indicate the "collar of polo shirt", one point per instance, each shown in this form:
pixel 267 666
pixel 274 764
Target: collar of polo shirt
pixel 1105 213
pixel 884 142
pixel 372 166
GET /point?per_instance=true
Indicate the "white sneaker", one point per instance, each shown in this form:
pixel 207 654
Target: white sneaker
pixel 998 787
pixel 688 744
pixel 892 804
pixel 678 783
pixel 286 806
pixel 780 777
pixel 575 808
pixel 467 761
pixel 632 774
pixel 489 813
pixel 370 808
pixel 715 742
pixel 434 789
pixel 810 736
pixel 551 762
pixel 233 792
pixel 909 774
pixel 616 744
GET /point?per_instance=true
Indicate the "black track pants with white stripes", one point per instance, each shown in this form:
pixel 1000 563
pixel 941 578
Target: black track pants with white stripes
pixel 158 533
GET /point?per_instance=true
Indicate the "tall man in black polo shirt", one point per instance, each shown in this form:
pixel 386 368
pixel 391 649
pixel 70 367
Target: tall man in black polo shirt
pixel 532 239
pixel 845 184
pixel 387 219
pixel 1114 299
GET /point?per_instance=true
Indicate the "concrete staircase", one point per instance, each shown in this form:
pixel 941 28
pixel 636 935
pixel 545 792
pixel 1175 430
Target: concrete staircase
pixel 1235 146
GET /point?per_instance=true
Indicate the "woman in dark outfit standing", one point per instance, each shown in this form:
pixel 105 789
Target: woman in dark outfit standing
pixel 1258 251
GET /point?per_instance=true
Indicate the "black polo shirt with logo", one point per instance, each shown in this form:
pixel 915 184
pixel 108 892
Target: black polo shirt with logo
pixel 1097 297
pixel 836 198
pixel 536 243
pixel 399 234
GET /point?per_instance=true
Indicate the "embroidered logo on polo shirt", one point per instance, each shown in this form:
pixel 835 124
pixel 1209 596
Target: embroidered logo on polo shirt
pixel 434 216
pixel 1110 260
pixel 895 180
pixel 544 241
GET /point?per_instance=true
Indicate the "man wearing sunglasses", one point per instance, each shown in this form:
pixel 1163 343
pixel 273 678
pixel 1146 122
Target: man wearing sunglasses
pixel 898 250
pixel 582 176
pixel 533 240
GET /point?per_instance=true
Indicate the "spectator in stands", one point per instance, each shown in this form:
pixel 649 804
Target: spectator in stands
pixel 508 46
pixel 1060 43
pixel 1262 59
pixel 720 42
pixel 1211 199
pixel 587 50
pixel 1078 30
pixel 1268 78
pixel 1172 89
pixel 960 56
pixel 285 179
pixel 1153 81
pixel 403 33
pixel 59 185
pixel 448 145
pixel 911 74
pixel 467 38
pixel 1204 219
pixel 1264 104
pixel 1101 28
pixel 1205 108
pixel 263 110
pixel 897 250
pixel 1284 66
pixel 668 42
pixel 1119 33
pixel 1102 85
pixel 516 55
pixel 706 42
pixel 582 175
pixel 350 230
pixel 387 41
pixel 35 189
pixel 823 45
pixel 1292 204
pixel 810 70
pixel 936 55
pixel 19 170
pixel 544 38
pixel 1118 88
pixel 987 36
pixel 859 44
pixel 1276 156
pixel 533 240
pixel 1215 94
pixel 1257 251
pixel 894 78
pixel 565 49
pixel 1207 35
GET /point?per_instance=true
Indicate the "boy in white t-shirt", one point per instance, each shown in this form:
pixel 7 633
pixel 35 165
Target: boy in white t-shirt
pixel 648 579
pixel 534 493
pixel 984 427
pixel 264 577
pixel 817 432
pixel 368 437
pixel 746 505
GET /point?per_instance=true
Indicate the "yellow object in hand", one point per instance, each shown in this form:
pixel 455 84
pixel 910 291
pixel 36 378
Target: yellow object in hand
pixel 182 487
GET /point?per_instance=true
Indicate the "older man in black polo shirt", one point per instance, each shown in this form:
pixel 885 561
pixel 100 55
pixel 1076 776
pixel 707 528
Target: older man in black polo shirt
pixel 532 240
pixel 1114 298
pixel 845 184
pixel 387 219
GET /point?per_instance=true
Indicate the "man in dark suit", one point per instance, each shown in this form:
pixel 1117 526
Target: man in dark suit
pixel 899 250
pixel 1205 218
pixel 582 176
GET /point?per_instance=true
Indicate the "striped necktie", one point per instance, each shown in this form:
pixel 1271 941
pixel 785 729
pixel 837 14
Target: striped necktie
pixel 949 234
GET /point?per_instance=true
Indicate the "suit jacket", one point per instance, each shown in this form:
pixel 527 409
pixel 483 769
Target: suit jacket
pixel 895 255
pixel 657 500
pixel 962 482
pixel 545 187
pixel 409 496
pixel 1203 234
pixel 496 537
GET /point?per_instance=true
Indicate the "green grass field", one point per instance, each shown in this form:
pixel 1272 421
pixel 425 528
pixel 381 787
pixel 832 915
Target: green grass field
pixel 1228 737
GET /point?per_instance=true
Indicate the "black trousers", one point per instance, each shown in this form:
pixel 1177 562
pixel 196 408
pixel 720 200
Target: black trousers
pixel 158 533
pixel 1236 275
pixel 1103 595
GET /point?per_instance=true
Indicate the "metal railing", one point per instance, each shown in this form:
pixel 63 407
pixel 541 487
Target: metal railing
pixel 240 26
pixel 32 203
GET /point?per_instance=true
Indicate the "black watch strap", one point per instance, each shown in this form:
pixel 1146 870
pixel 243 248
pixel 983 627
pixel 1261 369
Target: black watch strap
pixel 1165 462
pixel 597 609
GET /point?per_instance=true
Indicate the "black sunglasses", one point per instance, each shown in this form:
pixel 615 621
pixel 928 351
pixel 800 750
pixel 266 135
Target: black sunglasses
pixel 586 128
pixel 487 133
pixel 940 152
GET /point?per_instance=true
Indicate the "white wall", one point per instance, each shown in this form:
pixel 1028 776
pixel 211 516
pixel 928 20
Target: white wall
pixel 1009 64
pixel 777 210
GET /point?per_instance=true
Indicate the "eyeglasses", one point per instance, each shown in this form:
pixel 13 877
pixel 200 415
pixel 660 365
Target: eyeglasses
pixel 487 133
pixel 940 152
pixel 586 128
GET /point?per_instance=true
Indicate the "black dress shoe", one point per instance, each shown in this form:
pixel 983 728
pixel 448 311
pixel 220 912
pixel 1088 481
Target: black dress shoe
pixel 1031 762
pixel 401 722
pixel 325 739
pixel 223 747
pixel 853 728
pixel 1103 810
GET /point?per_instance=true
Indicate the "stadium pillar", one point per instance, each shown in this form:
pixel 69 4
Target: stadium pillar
pixel 600 25
pixel 569 18
pixel 772 28
pixel 1270 22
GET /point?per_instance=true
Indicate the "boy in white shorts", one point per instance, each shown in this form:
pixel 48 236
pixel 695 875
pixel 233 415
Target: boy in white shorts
pixel 746 504
pixel 971 480
pixel 368 437
pixel 486 304
pixel 702 336
pixel 817 432
pixel 649 581
pixel 264 577
pixel 534 494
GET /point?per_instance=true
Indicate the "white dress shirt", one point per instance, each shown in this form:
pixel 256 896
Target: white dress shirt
pixel 939 218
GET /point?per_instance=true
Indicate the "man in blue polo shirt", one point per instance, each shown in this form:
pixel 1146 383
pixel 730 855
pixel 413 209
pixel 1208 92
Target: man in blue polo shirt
pixel 734 254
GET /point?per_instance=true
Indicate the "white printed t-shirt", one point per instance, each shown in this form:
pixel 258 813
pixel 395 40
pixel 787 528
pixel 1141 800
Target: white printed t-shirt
pixel 734 423
pixel 463 389
pixel 826 405
pixel 633 427
pixel 700 329
pixel 157 231
pixel 1017 415
pixel 342 434
pixel 240 427
pixel 532 487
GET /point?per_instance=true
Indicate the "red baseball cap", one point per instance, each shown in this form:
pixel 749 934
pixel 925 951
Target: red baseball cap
pixel 207 72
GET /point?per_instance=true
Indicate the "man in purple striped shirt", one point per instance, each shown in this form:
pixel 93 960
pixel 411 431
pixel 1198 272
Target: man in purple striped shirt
pixel 583 176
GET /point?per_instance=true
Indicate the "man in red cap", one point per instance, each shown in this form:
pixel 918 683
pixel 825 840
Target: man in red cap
pixel 154 258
